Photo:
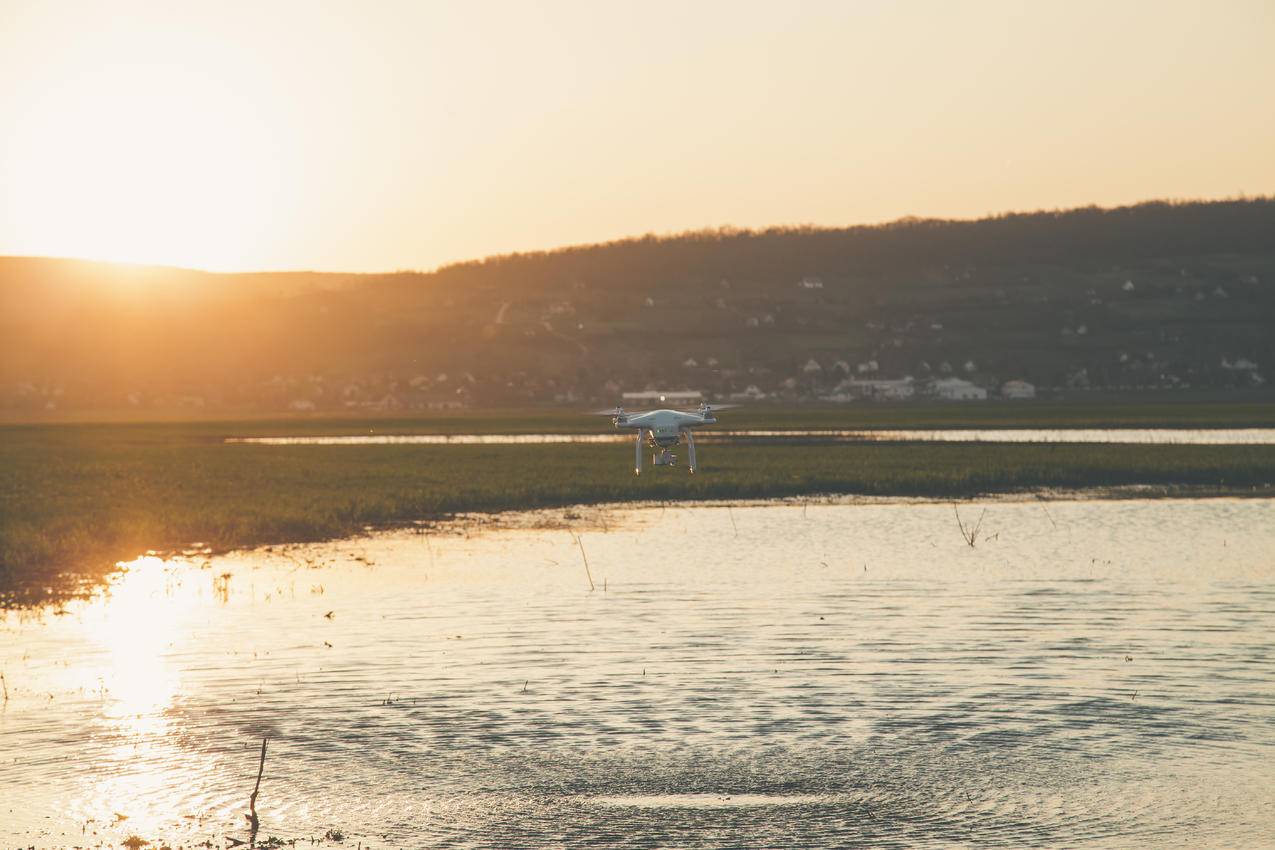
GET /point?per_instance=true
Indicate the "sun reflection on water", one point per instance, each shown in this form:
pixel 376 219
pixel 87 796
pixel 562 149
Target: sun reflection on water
pixel 138 629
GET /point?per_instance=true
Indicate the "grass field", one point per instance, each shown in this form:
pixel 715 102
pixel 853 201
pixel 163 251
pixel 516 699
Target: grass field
pixel 76 498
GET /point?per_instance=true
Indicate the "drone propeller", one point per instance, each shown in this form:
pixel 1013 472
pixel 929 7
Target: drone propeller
pixel 711 407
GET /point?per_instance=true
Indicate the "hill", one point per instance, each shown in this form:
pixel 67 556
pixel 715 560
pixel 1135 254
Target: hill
pixel 1156 296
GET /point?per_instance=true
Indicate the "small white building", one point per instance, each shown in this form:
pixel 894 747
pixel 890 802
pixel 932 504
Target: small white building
pixel 810 282
pixel 674 397
pixel 958 389
pixel 751 393
pixel 812 367
pixel 876 389
pixel 1018 389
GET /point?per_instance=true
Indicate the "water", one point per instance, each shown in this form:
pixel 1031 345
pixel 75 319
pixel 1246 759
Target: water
pixel 1155 436
pixel 1092 674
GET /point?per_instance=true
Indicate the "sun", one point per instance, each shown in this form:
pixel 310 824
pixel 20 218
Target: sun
pixel 136 165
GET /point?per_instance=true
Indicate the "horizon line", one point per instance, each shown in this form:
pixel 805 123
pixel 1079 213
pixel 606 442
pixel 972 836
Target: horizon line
pixel 658 236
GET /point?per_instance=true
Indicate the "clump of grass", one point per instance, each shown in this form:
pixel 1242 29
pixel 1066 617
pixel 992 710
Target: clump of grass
pixel 969 533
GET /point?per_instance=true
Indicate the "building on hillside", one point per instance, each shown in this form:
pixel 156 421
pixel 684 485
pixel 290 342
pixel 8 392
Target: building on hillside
pixel 809 282
pixel 958 389
pixel 874 389
pixel 673 397
pixel 751 393
pixel 1017 389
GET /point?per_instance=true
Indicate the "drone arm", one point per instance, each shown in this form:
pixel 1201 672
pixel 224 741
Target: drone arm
pixel 637 457
pixel 690 449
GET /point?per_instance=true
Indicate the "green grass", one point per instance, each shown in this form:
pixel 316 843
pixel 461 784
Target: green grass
pixel 76 498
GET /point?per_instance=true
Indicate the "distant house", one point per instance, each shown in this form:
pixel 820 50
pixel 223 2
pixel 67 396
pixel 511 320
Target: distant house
pixel 874 389
pixel 809 282
pixel 958 389
pixel 1128 286
pixel 751 393
pixel 690 363
pixel 1017 389
pixel 675 397
pixel 1241 364
pixel 812 367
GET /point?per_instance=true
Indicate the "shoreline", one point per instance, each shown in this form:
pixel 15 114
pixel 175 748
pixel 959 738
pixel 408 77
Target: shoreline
pixel 66 585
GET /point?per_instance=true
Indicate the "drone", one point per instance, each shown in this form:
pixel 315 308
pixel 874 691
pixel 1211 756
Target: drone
pixel 664 429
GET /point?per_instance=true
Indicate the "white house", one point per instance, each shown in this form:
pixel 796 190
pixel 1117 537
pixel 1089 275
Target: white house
pixel 877 389
pixel 958 389
pixel 812 367
pixel 676 397
pixel 751 393
pixel 810 283
pixel 1017 389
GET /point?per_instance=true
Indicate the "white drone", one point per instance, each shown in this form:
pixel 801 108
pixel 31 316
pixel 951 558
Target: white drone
pixel 664 429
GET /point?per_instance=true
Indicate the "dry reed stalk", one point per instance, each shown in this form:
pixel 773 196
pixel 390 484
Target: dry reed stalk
pixel 585 558
pixel 253 822
pixel 970 536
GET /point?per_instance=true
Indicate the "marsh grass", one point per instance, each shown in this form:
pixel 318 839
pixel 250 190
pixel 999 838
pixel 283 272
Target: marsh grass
pixel 74 499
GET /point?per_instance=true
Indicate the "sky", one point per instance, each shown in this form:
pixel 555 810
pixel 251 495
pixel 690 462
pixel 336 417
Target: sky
pixel 404 135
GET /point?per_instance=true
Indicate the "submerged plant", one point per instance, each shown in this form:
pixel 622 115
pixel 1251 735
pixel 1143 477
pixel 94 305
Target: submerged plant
pixel 969 534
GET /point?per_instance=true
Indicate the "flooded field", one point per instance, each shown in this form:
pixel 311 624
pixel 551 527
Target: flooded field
pixel 1139 436
pixel 1089 674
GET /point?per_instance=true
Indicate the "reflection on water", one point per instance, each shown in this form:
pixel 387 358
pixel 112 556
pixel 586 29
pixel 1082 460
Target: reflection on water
pixel 1091 674
pixel 1154 436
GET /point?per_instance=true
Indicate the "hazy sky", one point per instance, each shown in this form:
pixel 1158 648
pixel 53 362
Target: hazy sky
pixel 383 135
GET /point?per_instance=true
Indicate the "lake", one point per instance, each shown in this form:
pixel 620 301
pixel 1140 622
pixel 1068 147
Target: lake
pixel 831 673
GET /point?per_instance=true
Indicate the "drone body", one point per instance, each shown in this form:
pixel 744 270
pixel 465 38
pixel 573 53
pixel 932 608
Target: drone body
pixel 662 430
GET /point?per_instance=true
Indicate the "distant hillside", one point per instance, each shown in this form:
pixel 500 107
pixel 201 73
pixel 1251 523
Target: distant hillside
pixel 1154 296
